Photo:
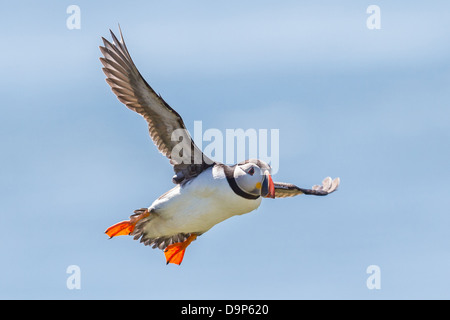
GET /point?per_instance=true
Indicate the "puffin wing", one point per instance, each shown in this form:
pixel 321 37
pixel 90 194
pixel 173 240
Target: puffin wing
pixel 166 127
pixel 284 190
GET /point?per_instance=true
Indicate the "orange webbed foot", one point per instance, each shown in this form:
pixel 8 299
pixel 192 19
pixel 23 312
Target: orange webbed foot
pixel 126 227
pixel 123 228
pixel 175 252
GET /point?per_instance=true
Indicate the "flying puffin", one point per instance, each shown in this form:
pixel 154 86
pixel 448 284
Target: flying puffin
pixel 206 192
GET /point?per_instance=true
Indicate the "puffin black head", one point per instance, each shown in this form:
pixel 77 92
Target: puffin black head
pixel 253 177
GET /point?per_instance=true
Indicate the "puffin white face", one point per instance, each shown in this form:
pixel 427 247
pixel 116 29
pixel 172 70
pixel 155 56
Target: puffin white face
pixel 254 180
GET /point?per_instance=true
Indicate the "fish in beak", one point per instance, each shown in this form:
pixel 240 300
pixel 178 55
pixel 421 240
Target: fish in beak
pixel 268 188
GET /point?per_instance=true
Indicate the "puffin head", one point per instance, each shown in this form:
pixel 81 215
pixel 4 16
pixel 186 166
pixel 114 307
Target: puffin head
pixel 253 177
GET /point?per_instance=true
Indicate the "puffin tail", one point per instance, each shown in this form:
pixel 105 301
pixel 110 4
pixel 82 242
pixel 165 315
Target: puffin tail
pixel 126 227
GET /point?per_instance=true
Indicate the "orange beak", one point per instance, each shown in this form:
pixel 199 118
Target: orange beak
pixel 268 188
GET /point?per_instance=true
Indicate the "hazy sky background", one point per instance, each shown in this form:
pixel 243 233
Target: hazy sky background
pixel 369 106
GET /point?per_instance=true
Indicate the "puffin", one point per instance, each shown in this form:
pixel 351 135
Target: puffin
pixel 206 192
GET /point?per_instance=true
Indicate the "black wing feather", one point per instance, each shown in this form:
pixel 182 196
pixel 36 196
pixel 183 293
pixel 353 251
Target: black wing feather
pixel 284 190
pixel 131 89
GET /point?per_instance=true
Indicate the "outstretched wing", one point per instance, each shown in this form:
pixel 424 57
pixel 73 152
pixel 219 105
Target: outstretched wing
pixel 166 127
pixel 284 190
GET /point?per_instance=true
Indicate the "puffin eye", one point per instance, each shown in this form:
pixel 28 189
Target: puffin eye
pixel 251 171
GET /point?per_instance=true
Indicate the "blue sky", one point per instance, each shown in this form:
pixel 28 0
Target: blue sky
pixel 369 106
